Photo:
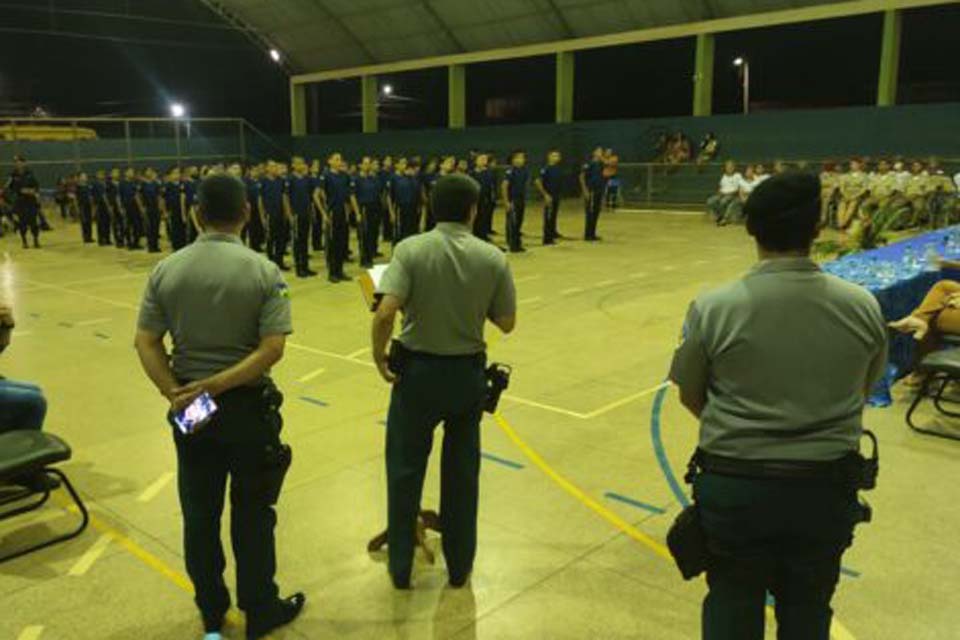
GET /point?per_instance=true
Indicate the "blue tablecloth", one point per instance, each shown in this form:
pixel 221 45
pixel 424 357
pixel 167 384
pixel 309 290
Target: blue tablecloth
pixel 900 275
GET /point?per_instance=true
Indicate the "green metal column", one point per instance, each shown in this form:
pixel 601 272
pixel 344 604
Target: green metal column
pixel 889 59
pixel 565 82
pixel 298 109
pixel 457 91
pixel 703 76
pixel 368 91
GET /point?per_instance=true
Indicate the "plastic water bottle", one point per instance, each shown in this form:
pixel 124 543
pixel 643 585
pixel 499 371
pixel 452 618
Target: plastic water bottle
pixel 932 258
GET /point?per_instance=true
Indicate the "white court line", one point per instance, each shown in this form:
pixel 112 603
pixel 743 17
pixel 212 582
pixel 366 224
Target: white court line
pixel 328 354
pixel 154 489
pixel 530 300
pixel 31 633
pixel 527 278
pixel 668 267
pixel 663 212
pixel 571 291
pixel 606 283
pixel 546 407
pixel 637 276
pixel 125 276
pixel 21 334
pixel 90 323
pixel 622 401
pixel 701 262
pixel 83 294
pixel 91 556
pixel 358 353
pixel 310 376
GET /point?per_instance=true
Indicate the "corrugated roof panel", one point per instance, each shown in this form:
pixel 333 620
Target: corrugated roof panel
pixel 458 13
pixel 535 28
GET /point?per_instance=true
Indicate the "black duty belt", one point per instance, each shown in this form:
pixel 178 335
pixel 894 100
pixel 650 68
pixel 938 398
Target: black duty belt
pixel 401 351
pixel 836 471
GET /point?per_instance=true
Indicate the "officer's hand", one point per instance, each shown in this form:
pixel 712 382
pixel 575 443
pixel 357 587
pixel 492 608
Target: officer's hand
pixel 548 199
pixel 383 366
pixel 6 316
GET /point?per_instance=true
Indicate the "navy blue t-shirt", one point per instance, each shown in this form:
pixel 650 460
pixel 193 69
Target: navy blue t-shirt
pixel 98 190
pixel 488 183
pixel 151 193
pixel 552 178
pixel 253 193
pixel 366 189
pixel 593 171
pixel 336 185
pixel 190 191
pixel 171 196
pixel 128 191
pixel 300 191
pixel 404 189
pixel 516 179
pixel 110 187
pixel 272 191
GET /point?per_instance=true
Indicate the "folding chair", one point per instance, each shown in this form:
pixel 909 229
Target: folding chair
pixel 31 453
pixel 938 369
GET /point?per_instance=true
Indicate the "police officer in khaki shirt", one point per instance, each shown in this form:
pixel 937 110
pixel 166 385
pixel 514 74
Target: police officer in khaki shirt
pixel 854 186
pixel 776 366
pixel 227 311
pixel 884 187
pixel 447 283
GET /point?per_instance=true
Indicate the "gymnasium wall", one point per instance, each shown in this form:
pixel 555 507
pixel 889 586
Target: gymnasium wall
pixel 814 134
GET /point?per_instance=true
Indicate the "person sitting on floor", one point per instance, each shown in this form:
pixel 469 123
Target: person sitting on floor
pixel 727 195
pixel 937 315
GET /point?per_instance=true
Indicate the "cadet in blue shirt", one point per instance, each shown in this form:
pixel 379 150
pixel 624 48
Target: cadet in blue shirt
pixel 256 227
pixel 132 211
pixel 403 198
pixel 514 187
pixel 386 173
pixel 173 209
pixel 592 186
pixel 98 192
pixel 550 185
pixel 365 198
pixel 150 195
pixel 271 203
pixel 298 204
pixel 334 195
pixel 116 211
pixel 316 229
pixel 86 205
pixel 485 177
pixel 188 199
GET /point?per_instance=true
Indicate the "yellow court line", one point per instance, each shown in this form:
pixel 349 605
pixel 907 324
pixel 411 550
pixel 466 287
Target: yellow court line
pixel 837 630
pixel 622 401
pixel 358 353
pixel 328 354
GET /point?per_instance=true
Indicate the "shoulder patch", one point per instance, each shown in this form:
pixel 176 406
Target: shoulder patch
pixel 282 290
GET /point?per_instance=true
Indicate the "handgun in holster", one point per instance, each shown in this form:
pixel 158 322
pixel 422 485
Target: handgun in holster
pixel 498 380
pixel 278 457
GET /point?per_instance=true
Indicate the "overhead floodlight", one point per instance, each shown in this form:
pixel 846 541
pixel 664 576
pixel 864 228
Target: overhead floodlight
pixel 388 89
pixel 275 55
pixel 738 62
pixel 177 110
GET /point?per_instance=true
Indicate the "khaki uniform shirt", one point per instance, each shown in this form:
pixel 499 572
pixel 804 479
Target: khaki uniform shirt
pixel 784 358
pixel 854 184
pixel 449 282
pixel 217 299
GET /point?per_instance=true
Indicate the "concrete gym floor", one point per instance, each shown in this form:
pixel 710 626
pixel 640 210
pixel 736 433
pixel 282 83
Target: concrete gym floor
pixel 575 504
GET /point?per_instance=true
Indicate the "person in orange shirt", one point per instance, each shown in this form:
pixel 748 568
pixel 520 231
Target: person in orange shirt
pixel 937 315
pixel 611 169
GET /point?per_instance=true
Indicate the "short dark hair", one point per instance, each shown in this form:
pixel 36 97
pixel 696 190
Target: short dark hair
pixel 454 197
pixel 223 199
pixel 783 212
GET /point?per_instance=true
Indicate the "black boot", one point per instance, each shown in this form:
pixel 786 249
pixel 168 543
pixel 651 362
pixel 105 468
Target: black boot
pixel 283 612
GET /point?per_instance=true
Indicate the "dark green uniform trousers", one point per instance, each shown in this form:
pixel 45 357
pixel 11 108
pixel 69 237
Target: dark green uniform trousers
pixel 432 390
pixel 785 537
pixel 231 446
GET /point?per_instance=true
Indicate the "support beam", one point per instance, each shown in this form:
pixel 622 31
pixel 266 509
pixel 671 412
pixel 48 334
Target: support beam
pixel 565 84
pixel 703 75
pixel 298 109
pixel 457 91
pixel 889 59
pixel 368 91
pixel 826 11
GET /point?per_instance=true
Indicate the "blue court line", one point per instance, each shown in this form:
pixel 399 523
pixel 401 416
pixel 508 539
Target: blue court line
pixel 102 336
pixel 503 461
pixel 634 503
pixel 667 470
pixel 66 325
pixel 319 403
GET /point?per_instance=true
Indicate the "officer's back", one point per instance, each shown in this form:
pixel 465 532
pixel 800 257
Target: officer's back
pixel 777 367
pixel 228 314
pixel 448 283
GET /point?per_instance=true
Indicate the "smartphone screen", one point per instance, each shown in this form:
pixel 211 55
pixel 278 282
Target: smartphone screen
pixel 196 414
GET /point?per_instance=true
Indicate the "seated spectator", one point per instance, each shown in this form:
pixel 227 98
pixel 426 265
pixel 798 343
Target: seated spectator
pixel 708 148
pixel 937 315
pixel 940 200
pixel 22 405
pixel 829 192
pixel 728 194
pixel 916 190
pixel 854 187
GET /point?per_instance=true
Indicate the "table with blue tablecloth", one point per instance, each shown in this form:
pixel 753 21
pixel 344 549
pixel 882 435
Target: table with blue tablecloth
pixel 900 275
